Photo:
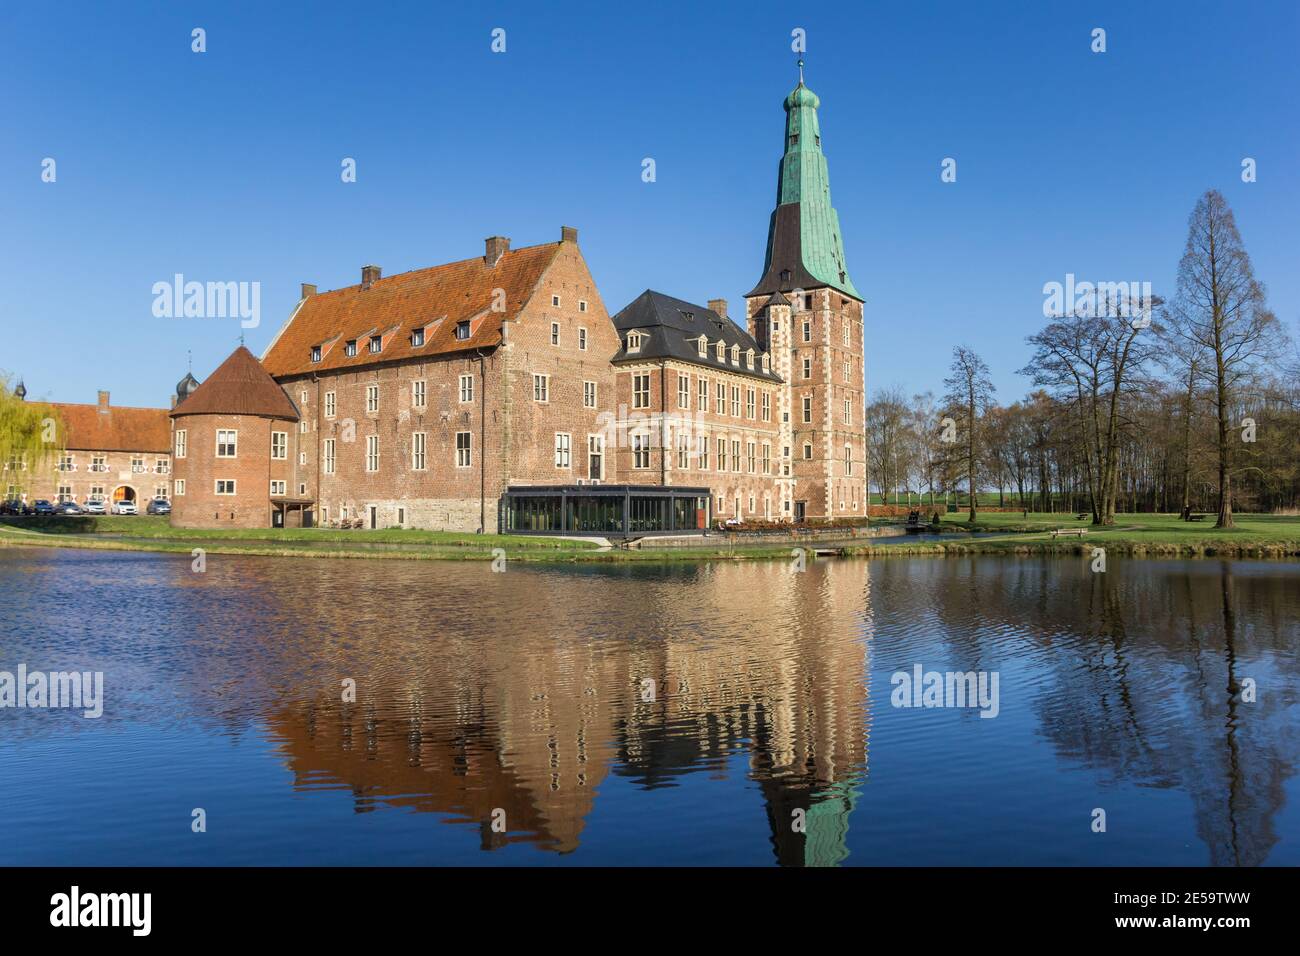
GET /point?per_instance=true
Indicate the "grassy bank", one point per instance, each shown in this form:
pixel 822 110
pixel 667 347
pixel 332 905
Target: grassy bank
pixel 1139 535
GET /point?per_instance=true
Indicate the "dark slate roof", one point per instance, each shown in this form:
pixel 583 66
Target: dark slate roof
pixel 674 326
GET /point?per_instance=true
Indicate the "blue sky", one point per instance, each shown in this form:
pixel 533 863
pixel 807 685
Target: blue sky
pixel 225 165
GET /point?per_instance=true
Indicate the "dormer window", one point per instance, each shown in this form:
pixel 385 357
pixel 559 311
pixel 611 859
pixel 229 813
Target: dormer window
pixel 462 329
pixel 417 338
pixel 704 346
pixel 721 351
pixel 350 349
pixel 749 358
pixel 735 355
pixel 315 353
pixel 634 341
pixel 767 363
pixel 376 344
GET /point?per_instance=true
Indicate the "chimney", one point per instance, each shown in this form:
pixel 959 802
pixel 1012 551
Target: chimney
pixel 568 234
pixel 309 288
pixel 719 306
pixel 369 275
pixel 494 248
pixel 103 401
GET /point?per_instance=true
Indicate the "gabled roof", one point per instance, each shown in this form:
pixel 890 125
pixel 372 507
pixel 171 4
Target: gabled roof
pixel 671 328
pixel 239 386
pixel 114 428
pixel 436 299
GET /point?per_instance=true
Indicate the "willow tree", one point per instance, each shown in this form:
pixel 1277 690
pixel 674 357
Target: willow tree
pixel 1220 315
pixel 31 437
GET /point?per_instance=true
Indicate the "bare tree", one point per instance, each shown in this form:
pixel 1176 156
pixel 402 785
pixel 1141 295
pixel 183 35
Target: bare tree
pixel 1220 313
pixel 969 395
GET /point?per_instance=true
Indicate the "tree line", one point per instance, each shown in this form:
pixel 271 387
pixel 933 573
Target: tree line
pixel 1185 405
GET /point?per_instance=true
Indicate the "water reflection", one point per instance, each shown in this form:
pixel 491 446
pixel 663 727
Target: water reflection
pixel 543 692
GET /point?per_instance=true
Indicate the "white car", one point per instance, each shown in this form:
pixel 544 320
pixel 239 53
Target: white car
pixel 124 508
pixel 93 508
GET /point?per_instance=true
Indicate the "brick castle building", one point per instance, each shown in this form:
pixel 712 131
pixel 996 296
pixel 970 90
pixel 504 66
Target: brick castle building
pixel 498 392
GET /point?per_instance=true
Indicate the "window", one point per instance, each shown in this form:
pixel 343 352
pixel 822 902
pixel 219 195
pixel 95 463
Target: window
pixel 683 391
pixel 137 465
pixel 417 338
pixel 376 344
pixel 683 451
pixel 64 493
pixel 641 390
pixel 541 388
pixel 329 456
pixel 315 353
pixel 464 448
pixel 704 452
pixel 767 458
pixel 722 454
pixel 846 332
pixel 65 463
pixel 807 367
pixel 161 466
pixel 555 301
pixel 226 442
pixel 100 462
pixel 225 486
pixel 767 363
pixel 467 388
pixel 562 450
pixel 807 301
pixel 302 458
pixel 417 395
pixel 749 403
pixel 372 453
pixel 749 461
pixel 401 517
pixel 178 488
pixel 735 456
pixel 582 305
pixel 634 341
pixel 279 445
pixel 848 461
pixel 417 451
pixel 582 337
pixel 350 348
pixel 278 488
pixel 848 371
pixel 304 426
pixel 596 456
pixel 735 401
pixel 807 330
pixel 704 394
pixel 749 358
pixel 735 355
pixel 372 398
pixel 329 404
pixel 722 398
pixel 807 451
pixel 640 451
pixel 588 394
pixel 720 352
pixel 181 438
pixel 462 330
pixel 848 412
pixel 807 409
pixel 704 346
pixel 555 333
pixel 767 406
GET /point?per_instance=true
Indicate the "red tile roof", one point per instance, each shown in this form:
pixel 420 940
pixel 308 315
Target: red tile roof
pixel 435 299
pixel 114 428
pixel 239 386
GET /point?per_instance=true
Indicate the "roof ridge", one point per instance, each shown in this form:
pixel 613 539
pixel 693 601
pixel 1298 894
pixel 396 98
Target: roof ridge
pixel 442 265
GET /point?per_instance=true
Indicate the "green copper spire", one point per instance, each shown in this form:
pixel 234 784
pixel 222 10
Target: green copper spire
pixel 804 247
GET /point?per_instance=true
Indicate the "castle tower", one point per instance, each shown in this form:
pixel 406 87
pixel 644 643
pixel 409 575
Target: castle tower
pixel 807 312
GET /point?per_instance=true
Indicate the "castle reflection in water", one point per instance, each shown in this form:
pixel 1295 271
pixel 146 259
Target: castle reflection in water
pixel 534 724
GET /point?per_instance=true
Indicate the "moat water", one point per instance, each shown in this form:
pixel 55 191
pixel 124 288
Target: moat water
pixel 715 714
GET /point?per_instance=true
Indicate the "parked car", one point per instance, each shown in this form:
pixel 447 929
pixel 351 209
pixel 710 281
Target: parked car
pixel 67 508
pixel 124 508
pixel 94 507
pixel 14 506
pixel 159 506
pixel 42 507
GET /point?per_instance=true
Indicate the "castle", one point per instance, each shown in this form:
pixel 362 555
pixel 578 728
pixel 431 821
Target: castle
pixel 497 393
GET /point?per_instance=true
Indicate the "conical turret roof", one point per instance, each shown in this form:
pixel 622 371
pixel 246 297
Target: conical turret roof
pixel 239 386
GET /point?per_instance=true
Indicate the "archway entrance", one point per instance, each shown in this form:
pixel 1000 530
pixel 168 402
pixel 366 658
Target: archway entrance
pixel 124 493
